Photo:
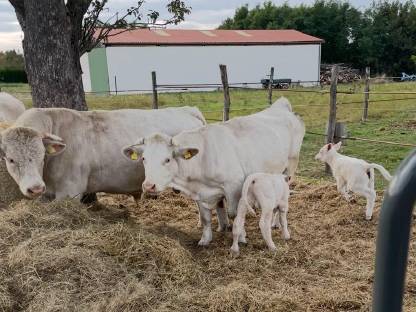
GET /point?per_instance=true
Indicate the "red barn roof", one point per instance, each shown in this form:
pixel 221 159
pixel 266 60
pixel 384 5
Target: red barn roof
pixel 211 37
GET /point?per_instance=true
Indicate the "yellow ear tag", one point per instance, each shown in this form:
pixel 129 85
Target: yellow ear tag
pixel 50 149
pixel 187 155
pixel 134 156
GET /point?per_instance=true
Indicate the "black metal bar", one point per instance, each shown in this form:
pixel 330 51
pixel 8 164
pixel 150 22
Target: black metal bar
pixel 393 238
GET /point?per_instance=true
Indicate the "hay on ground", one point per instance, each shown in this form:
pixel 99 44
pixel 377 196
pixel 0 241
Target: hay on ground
pixel 9 190
pixel 62 256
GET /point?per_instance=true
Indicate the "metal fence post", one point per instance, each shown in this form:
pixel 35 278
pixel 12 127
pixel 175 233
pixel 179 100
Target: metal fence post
pixel 393 238
pixel 227 102
pixel 332 119
pixel 115 83
pixel 155 103
pixel 271 85
pixel 366 94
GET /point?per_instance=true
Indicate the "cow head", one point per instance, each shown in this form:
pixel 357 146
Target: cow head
pixel 24 150
pixel 327 151
pixel 160 159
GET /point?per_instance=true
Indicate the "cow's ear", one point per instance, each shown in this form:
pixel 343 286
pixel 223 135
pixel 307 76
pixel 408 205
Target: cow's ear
pixel 329 146
pixel 54 145
pixel 185 153
pixel 133 152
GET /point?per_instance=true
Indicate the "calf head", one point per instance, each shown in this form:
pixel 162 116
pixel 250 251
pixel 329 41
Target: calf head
pixel 327 151
pixel 24 150
pixel 160 159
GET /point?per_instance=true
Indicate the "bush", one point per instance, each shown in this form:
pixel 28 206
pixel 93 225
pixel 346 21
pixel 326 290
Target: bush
pixel 13 75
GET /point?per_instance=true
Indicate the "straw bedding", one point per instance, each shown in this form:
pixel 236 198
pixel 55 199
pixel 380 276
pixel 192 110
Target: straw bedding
pixel 119 256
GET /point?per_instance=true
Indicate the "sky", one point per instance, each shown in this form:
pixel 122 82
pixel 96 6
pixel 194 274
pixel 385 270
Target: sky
pixel 206 14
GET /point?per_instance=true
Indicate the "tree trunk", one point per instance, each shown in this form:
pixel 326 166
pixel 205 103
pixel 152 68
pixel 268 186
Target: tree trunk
pixel 51 54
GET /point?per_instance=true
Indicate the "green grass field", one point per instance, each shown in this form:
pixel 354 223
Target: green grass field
pixel 389 120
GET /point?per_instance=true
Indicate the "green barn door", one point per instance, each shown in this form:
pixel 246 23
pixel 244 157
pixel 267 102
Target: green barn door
pixel 97 60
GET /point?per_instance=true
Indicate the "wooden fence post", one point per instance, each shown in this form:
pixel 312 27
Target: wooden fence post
pixel 332 119
pixel 366 93
pixel 271 85
pixel 227 103
pixel 155 104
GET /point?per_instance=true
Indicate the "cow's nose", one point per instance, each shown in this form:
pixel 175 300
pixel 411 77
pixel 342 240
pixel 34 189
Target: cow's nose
pixel 36 190
pixel 149 187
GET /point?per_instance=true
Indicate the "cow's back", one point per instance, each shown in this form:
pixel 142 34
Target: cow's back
pixel 262 142
pixel 94 141
pixel 10 107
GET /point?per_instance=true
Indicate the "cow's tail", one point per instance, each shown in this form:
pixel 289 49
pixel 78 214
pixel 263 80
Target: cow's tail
pixel 246 187
pixel 382 170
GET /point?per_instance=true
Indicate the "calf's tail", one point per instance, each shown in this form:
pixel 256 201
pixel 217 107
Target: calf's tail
pixel 244 193
pixel 382 170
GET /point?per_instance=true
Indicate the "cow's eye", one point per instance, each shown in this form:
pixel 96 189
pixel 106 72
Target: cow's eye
pixel 143 158
pixel 11 161
pixel 167 160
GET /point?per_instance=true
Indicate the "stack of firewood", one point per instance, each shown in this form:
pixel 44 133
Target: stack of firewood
pixel 345 74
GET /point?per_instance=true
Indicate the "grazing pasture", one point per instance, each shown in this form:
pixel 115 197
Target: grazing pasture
pixel 119 256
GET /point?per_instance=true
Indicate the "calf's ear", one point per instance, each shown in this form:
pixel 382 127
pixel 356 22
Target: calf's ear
pixel 133 152
pixel 185 153
pixel 54 145
pixel 338 145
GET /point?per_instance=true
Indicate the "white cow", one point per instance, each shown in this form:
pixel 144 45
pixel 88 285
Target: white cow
pixel 352 174
pixel 10 107
pixel 68 153
pixel 212 162
pixel 270 193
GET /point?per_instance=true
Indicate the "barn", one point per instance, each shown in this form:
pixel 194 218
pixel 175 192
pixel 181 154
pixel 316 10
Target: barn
pixel 125 61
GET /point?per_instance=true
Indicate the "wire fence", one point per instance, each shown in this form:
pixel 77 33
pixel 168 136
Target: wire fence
pixel 349 100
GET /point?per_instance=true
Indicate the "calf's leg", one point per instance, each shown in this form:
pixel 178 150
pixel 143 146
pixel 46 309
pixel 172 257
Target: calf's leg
pixel 370 195
pixel 283 220
pixel 266 226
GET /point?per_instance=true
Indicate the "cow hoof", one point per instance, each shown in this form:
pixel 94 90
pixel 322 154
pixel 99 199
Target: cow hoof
pixel 273 249
pixel 274 226
pixel 203 243
pixel 369 218
pixel 286 237
pixel 234 252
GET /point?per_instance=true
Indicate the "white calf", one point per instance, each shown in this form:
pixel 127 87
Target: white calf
pixel 352 174
pixel 270 193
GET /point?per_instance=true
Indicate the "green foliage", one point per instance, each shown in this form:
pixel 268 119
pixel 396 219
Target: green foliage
pixel 383 36
pixel 11 60
pixel 12 67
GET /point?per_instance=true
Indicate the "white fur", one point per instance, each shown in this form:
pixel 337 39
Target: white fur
pixel 352 175
pixel 270 193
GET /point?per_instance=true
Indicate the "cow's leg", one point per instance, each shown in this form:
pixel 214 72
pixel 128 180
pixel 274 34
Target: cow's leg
pixel 222 217
pixel 206 216
pixel 266 226
pixel 283 208
pixel 239 234
pixel 232 196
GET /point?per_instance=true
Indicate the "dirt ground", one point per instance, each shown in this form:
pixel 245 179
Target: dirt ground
pixel 126 257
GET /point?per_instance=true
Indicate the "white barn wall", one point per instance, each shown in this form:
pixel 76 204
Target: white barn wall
pixel 199 64
pixel 86 77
